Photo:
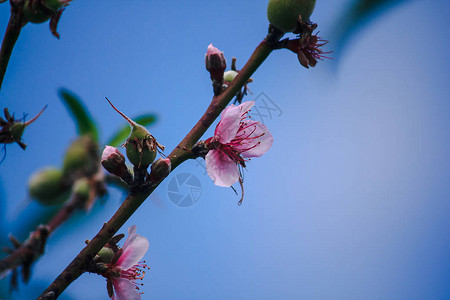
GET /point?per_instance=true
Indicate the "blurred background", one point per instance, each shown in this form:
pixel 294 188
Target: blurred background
pixel 352 200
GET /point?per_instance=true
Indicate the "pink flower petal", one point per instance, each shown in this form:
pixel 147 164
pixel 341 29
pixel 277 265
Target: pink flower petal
pixel 134 250
pixel 124 289
pixel 229 121
pixel 246 106
pixel 131 233
pixel 222 169
pixel 229 124
pixel 258 142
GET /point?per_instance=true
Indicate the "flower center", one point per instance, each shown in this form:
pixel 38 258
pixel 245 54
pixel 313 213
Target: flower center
pixel 136 272
pixel 245 135
pixel 313 47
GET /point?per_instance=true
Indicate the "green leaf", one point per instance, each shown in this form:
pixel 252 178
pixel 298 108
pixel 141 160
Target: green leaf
pixel 359 15
pixel 83 119
pixel 121 135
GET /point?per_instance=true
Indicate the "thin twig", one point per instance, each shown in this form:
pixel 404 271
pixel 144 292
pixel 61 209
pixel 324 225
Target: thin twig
pixel 179 154
pixel 15 24
pixel 32 248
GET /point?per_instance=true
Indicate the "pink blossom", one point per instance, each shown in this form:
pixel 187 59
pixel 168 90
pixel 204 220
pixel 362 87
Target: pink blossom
pixel 128 269
pixel 235 139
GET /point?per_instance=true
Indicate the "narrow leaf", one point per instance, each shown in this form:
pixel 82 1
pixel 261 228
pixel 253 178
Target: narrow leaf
pixel 360 14
pixel 121 135
pixel 83 119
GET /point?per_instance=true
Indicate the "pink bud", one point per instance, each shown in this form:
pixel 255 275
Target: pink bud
pixel 160 169
pixel 212 50
pixel 215 63
pixel 114 162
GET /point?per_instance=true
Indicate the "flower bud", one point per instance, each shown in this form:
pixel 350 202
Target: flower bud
pixel 81 157
pixel 114 162
pixel 229 76
pixel 141 146
pixel 284 14
pixel 160 169
pixel 215 63
pixel 106 255
pixel 81 189
pixel 46 186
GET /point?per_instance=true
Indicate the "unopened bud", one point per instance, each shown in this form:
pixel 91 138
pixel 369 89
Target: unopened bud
pixel 229 76
pixel 215 63
pixel 114 162
pixel 81 189
pixel 81 157
pixel 46 186
pixel 160 169
pixel 106 255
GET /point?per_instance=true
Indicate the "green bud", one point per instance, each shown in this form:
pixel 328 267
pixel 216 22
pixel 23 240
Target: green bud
pixel 141 146
pixel 229 76
pixel 46 186
pixel 106 255
pixel 283 14
pixel 17 130
pixel 81 188
pixel 81 157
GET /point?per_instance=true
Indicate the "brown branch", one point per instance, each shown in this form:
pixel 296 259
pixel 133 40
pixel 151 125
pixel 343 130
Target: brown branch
pixel 15 24
pixel 180 154
pixel 32 248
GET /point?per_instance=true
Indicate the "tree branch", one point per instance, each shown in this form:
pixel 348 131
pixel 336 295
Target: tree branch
pixel 15 24
pixel 180 154
pixel 32 248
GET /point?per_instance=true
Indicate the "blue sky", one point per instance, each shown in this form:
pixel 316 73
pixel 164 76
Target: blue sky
pixel 351 202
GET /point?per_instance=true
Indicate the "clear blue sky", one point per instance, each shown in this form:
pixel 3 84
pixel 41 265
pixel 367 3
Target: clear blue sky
pixel 351 202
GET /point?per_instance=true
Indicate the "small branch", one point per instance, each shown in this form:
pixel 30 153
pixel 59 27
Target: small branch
pixel 26 252
pixel 32 248
pixel 79 265
pixel 15 24
pixel 180 154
